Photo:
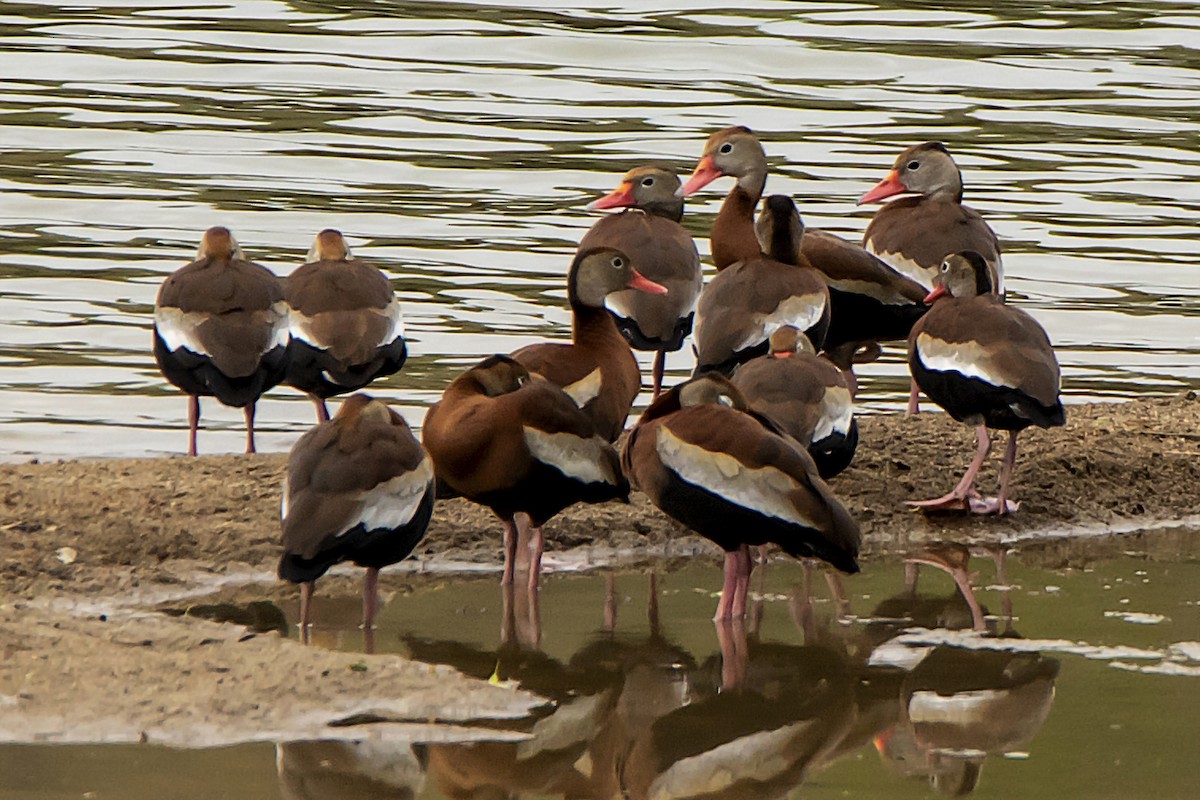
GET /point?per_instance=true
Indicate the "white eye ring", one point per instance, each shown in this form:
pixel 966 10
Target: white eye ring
pixel 945 266
pixel 617 262
pixel 913 165
pixel 726 148
pixel 725 400
pixel 647 181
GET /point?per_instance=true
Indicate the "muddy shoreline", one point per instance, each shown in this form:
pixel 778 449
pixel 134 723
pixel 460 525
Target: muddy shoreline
pixel 89 548
pixel 86 526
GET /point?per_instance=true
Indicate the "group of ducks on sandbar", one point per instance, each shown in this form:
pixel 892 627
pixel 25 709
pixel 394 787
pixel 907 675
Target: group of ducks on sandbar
pixel 740 453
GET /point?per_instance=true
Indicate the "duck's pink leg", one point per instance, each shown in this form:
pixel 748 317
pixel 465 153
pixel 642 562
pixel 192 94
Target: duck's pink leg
pixel 958 497
pixel 248 413
pixel 728 589
pixel 193 422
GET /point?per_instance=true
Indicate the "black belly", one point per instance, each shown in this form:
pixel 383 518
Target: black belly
pixel 640 341
pixel 316 372
pixel 859 318
pixel 545 492
pixel 973 400
pixel 835 452
pixel 729 525
pixel 376 548
pixel 197 375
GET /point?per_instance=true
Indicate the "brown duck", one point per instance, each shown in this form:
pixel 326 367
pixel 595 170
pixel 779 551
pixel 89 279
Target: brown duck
pixel 221 330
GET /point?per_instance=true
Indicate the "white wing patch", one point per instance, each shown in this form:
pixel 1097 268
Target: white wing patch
pixel 905 266
pixel 586 389
pixel 837 410
pixel 280 328
pixel 765 490
pixel 757 757
pixel 393 503
pixel 573 456
pixel 965 358
pixel 396 329
pixel 960 708
pixel 799 311
pixel 178 329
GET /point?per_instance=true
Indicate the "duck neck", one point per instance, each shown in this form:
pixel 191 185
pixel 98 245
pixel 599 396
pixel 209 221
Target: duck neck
pixel 591 325
pixel 667 209
pixel 732 237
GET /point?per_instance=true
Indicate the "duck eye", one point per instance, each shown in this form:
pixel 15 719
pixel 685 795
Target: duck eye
pixel 618 262
pixel 725 400
pixel 726 148
pixel 647 181
pixel 912 165
pixel 945 266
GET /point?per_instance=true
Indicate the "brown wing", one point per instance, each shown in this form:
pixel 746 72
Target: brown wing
pixel 742 305
pixel 233 311
pixel 346 308
pixel 851 268
pixel 1003 345
pixel 334 466
pixel 924 231
pixel 730 454
pixel 337 286
pixel 663 252
pixel 788 390
pixel 479 442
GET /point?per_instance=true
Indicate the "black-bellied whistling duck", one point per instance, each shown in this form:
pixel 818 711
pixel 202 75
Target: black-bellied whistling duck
pixel 915 233
pixel 597 369
pixel 986 363
pixel 752 294
pixel 345 323
pixel 522 447
pixel 806 395
pixel 868 300
pixel 221 330
pixel 359 488
pixel 701 458
pixel 649 231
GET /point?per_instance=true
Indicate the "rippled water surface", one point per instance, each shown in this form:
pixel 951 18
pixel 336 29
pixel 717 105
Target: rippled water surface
pixel 456 144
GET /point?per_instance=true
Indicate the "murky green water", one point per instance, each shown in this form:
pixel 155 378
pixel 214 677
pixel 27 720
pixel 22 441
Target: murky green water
pixel 1089 690
pixel 456 144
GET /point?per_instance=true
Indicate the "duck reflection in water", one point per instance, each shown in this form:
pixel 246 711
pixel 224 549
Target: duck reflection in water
pixel 364 770
pixel 958 705
pixel 639 717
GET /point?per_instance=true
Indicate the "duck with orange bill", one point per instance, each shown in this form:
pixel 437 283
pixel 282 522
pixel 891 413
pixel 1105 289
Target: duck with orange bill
pixel 649 231
pixel 359 488
pixel 752 293
pixel 345 321
pixel 738 480
pixel 221 330
pixel 597 368
pixel 987 364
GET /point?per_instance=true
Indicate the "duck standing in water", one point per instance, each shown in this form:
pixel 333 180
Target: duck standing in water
pixel 221 330
pixel 522 447
pixel 359 488
pixel 345 321
pixel 989 365
pixel 736 480
pixel 649 231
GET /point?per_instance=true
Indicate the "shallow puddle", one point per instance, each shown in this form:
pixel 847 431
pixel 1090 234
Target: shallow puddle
pixel 1084 686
